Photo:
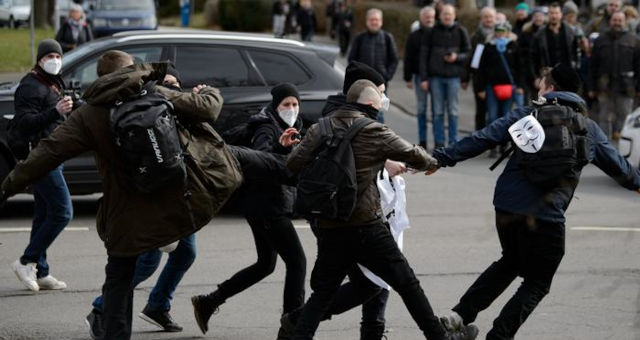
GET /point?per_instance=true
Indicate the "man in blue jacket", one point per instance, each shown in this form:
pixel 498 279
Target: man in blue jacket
pixel 529 220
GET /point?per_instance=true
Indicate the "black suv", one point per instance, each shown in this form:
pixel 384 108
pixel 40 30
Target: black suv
pixel 243 66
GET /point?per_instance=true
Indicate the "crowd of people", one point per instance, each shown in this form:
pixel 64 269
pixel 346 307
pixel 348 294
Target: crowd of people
pixel 531 197
pixel 503 60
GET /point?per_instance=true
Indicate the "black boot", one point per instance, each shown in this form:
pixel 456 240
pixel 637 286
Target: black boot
pixel 288 324
pixel 204 306
pixel 371 332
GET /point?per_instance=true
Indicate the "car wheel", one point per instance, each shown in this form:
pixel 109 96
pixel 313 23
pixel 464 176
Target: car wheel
pixel 12 23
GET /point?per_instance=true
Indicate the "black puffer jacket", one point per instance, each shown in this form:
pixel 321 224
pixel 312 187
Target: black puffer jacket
pixel 266 199
pixel 615 63
pixel 412 53
pixel 377 50
pixel 436 43
pixel 35 105
pixel 525 64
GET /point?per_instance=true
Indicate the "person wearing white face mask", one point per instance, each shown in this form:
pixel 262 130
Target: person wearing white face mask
pixel 269 207
pixel 39 108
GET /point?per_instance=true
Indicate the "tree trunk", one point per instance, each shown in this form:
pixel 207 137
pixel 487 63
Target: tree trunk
pixel 41 13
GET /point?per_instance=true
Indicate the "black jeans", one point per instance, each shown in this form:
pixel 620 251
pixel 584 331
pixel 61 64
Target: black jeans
pixel 532 249
pixel 273 236
pixel 374 247
pixel 117 297
pixel 481 110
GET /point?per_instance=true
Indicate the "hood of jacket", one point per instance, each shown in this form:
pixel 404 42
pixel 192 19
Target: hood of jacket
pixel 123 83
pixel 567 98
pixel 333 103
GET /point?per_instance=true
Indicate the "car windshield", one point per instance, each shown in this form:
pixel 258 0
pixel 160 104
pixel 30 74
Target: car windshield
pixel 22 2
pixel 125 4
pixel 82 50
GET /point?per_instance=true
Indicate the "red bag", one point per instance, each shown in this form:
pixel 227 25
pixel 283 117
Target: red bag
pixel 503 91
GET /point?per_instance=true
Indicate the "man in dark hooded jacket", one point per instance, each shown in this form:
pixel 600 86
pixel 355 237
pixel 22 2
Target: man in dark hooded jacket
pixel 529 218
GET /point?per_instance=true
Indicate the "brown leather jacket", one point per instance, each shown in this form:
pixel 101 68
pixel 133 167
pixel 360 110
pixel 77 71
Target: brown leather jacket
pixel 372 146
pixel 128 222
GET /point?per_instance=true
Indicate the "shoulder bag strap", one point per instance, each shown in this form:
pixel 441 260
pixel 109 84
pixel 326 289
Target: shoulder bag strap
pixel 506 67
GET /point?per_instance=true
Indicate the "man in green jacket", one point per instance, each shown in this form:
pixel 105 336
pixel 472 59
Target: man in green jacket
pixel 129 222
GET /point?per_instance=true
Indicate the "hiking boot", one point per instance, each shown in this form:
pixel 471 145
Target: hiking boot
pixel 161 319
pixel 204 306
pixel 96 327
pixel 26 273
pixel 452 322
pixel 51 283
pixel 468 332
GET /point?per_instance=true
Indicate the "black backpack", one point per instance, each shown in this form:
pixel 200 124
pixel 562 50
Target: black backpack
pixel 565 150
pixel 327 186
pixel 147 141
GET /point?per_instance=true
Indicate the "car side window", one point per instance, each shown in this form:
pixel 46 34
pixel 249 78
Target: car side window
pixel 277 68
pixel 87 72
pixel 215 66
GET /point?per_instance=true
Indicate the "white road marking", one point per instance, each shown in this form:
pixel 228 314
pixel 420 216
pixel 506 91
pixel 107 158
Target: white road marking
pixel 28 229
pixel 604 229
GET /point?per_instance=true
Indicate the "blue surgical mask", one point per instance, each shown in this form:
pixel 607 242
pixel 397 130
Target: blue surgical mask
pixel 501 44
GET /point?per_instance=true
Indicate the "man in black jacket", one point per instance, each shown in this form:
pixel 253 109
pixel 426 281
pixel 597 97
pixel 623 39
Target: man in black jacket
pixel 443 54
pixel 525 64
pixel 554 44
pixel 479 37
pixel 376 47
pixel 614 76
pixel 412 70
pixel 40 107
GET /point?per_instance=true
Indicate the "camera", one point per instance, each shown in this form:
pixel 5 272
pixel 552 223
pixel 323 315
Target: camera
pixel 73 91
pixel 296 136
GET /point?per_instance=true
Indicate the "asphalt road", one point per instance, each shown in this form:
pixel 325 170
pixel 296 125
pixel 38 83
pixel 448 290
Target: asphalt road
pixel 595 295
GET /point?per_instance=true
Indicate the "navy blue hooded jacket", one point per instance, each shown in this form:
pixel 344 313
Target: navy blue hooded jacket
pixel 513 192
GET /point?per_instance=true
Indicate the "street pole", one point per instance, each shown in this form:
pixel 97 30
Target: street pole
pixel 32 33
pixel 56 17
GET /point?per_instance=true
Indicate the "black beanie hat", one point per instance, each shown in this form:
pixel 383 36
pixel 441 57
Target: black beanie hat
pixel 47 46
pixel 356 71
pixel 566 78
pixel 171 70
pixel 282 91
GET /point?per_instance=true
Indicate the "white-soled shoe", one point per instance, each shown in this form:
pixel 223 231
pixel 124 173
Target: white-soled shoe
pixel 26 273
pixel 51 283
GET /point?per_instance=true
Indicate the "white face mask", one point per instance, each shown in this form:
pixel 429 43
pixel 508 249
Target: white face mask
pixel 52 66
pixel 528 134
pixel 289 116
pixel 385 101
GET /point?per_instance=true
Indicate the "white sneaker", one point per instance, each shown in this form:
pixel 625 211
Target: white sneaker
pixel 26 273
pixel 51 283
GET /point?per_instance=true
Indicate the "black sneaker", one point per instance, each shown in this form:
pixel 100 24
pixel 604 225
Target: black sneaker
pixel 94 321
pixel 468 332
pixel 204 306
pixel 160 319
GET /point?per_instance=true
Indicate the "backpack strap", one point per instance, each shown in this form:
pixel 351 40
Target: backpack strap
pixel 357 125
pixel 325 129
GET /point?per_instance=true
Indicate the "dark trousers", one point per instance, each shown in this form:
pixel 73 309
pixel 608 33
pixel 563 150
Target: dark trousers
pixel 531 249
pixel 117 297
pixel 273 236
pixel 372 246
pixel 481 111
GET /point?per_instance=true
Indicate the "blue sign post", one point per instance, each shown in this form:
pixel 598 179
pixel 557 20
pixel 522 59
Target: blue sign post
pixel 185 11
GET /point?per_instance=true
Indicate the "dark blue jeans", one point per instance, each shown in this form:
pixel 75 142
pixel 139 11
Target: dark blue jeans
pixel 52 211
pixel 497 108
pixel 177 265
pixel 444 98
pixel 372 246
pixel 422 100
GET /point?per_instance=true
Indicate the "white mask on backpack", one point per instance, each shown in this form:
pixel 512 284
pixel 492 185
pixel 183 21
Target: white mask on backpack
pixel 289 116
pixel 528 134
pixel 52 66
